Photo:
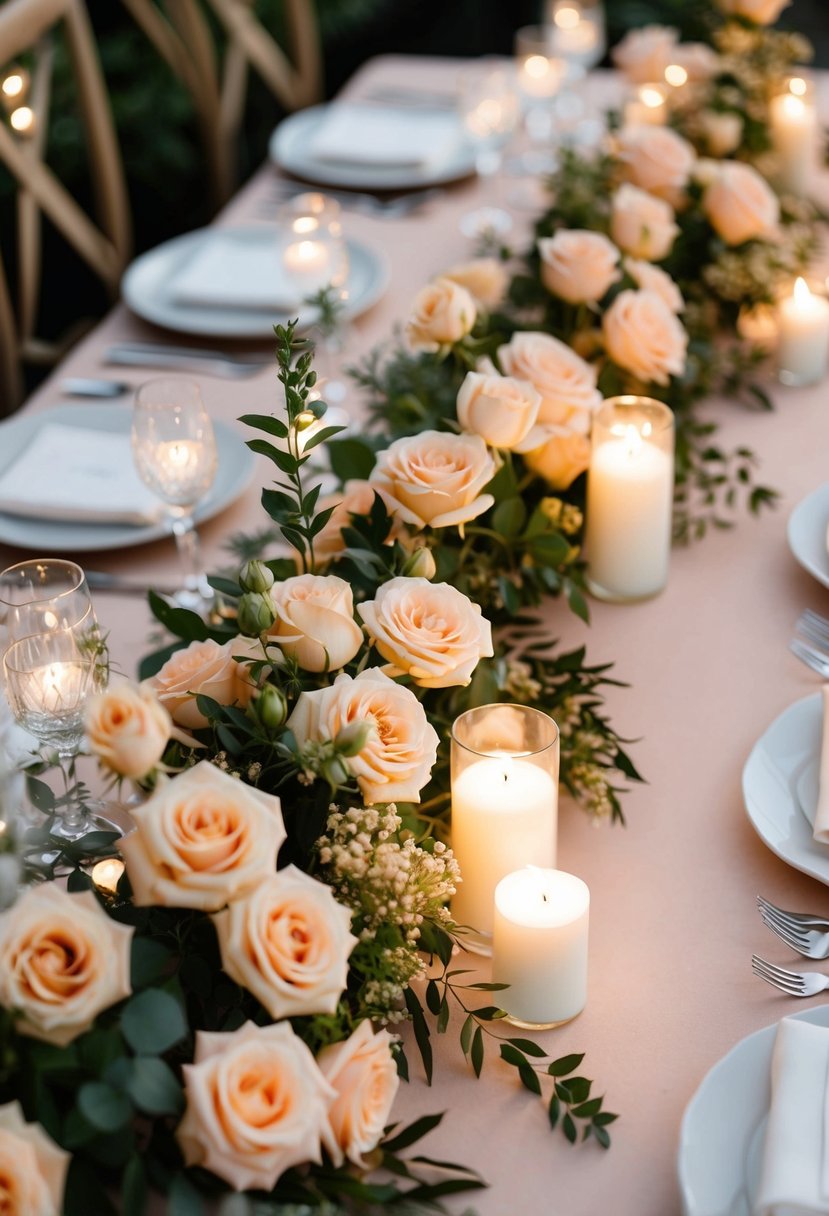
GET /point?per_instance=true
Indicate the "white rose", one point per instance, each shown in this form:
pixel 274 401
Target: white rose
pixel 397 759
pixel 363 1073
pixel 642 224
pixel 722 132
pixel 654 278
pixel 443 312
pixel 578 266
pixel 435 479
pixel 740 204
pixel 657 160
pixel 315 621
pixel 643 54
pixel 762 12
pixel 500 409
pixel 486 280
pixel 429 631
pixel 32 1167
pixel 643 336
pixel 699 60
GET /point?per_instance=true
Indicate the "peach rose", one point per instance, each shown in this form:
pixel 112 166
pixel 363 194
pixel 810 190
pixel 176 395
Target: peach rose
pixel 722 132
pixel 62 960
pixel 315 621
pixel 202 839
pixel 443 312
pixel 566 382
pixel 500 409
pixel 429 631
pixel 643 54
pixel 644 337
pixel 435 479
pixel 128 729
pixel 288 943
pixel 364 1075
pixel 740 204
pixel 355 498
pixel 562 456
pixel 486 280
pixel 256 1105
pixel 657 160
pixel 397 759
pixel 642 224
pixel 762 12
pixel 32 1167
pixel 654 278
pixel 578 266
pixel 209 669
pixel 699 60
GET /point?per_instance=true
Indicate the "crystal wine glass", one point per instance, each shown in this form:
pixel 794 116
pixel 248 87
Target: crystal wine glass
pixel 578 36
pixel 540 73
pixel 489 110
pixel 43 594
pixel 175 453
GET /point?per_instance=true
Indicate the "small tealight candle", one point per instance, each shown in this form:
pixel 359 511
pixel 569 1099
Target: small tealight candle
pixel 539 946
pixel 794 133
pixel 676 75
pixel 14 86
pixel 540 76
pixel 648 106
pixel 58 687
pixel 306 257
pixel 107 874
pixel 803 336
pixel 23 120
pixel 630 490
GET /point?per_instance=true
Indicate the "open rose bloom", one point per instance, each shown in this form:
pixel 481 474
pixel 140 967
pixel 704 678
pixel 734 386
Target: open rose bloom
pixel 315 621
pixel 364 1076
pixel 435 479
pixel 209 669
pixel 128 729
pixel 32 1167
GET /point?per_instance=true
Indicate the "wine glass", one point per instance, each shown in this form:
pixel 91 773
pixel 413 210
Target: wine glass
pixel 540 74
pixel 489 111
pixel 175 453
pixel 578 36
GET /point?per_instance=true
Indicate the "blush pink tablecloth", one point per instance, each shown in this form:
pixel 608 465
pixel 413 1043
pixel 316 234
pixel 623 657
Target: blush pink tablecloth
pixel 673 917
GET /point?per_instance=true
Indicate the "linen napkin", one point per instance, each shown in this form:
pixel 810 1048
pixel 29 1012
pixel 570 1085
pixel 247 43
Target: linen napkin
pixel 232 270
pixel 376 136
pixel 78 475
pixel 820 829
pixel 794 1176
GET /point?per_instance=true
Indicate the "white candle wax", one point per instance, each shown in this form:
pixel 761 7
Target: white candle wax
pixel 539 945
pixel 630 489
pixel 504 815
pixel 107 874
pixel 57 687
pixel 540 76
pixel 794 130
pixel 577 39
pixel 309 262
pixel 648 105
pixel 803 336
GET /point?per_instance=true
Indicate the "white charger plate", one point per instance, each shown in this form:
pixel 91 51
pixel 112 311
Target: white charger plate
pixel 806 531
pixel 148 288
pixel 720 1140
pixel 233 475
pixel 780 787
pixel 289 144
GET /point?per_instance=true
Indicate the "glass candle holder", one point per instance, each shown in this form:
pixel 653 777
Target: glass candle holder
pixel 505 761
pixel 43 594
pixel 313 250
pixel 578 30
pixel 802 335
pixel 647 106
pixel 793 123
pixel 540 946
pixel 630 489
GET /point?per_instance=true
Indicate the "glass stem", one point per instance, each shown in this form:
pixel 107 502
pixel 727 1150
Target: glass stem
pixel 189 551
pixel 72 814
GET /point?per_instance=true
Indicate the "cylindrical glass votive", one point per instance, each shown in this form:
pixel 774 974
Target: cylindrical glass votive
pixel 504 805
pixel 802 335
pixel 794 128
pixel 540 946
pixel 647 106
pixel 630 487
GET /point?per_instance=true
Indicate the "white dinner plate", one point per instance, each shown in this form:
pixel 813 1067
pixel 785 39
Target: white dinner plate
pixel 148 288
pixel 235 470
pixel 720 1141
pixel 289 144
pixel 780 787
pixel 807 533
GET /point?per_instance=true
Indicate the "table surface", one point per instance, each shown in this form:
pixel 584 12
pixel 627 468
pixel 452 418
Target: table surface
pixel 673 917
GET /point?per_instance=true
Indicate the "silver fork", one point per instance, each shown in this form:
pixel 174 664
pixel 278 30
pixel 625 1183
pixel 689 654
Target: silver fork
pixel 791 920
pixel 811 943
pixel 793 983
pixel 811 656
pixel 814 627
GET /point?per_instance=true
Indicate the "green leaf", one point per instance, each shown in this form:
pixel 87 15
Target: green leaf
pixel 351 459
pixel 432 998
pixel 602 1136
pixel 569 1129
pixel 443 1016
pixel 148 961
pixel 40 794
pixel 153 1087
pixel 183 1199
pixel 415 1131
pixel 476 1054
pixel 134 1189
pixel 103 1107
pixel 509 516
pixel 466 1034
pixel 554 1111
pixel 561 1067
pixel 421 1032
pixel 528 1047
pixel 266 423
pixel 579 1088
pixel 180 621
pixel 586 1110
pixel 152 1022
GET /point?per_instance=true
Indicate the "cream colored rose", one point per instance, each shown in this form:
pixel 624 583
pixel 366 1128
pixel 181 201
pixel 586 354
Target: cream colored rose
pixel 355 498
pixel 643 54
pixel 256 1104
pixel 722 132
pixel 435 479
pixel 699 60
pixel 644 337
pixel 209 669
pixel 500 409
pixel 288 943
pixel 740 204
pixel 127 729
pixel 397 759
pixel 443 312
pixel 429 631
pixel 642 224
pixel 566 382
pixel 201 840
pixel 486 280
pixel 363 1073
pixel 762 12
pixel 578 266
pixel 62 960
pixel 654 278
pixel 657 160
pixel 315 621
pixel 562 456
pixel 32 1167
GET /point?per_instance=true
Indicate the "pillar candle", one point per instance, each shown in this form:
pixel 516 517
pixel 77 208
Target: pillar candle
pixel 794 133
pixel 540 946
pixel 648 105
pixel 803 336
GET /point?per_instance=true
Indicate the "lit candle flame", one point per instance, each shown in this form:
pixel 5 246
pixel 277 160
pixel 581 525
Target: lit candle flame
pixel 651 97
pixel 23 120
pixel 802 295
pixel 798 86
pixel 567 18
pixel 13 85
pixel 676 75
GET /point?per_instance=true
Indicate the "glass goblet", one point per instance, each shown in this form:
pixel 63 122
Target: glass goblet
pixel 43 594
pixel 540 75
pixel 174 449
pixel 489 110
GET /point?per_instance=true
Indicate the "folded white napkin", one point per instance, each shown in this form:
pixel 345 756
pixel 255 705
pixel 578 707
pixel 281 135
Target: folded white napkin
pixel 794 1178
pixel 79 475
pixel 231 269
pixel 821 824
pixel 375 136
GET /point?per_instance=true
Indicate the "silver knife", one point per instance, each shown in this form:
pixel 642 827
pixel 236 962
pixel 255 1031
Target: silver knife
pixel 182 358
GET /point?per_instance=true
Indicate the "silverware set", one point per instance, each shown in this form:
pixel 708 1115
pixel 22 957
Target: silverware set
pixel 811 642
pixel 280 191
